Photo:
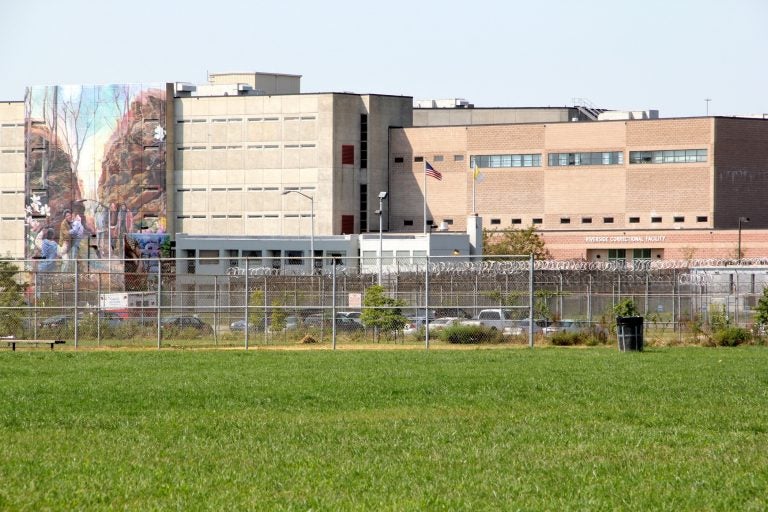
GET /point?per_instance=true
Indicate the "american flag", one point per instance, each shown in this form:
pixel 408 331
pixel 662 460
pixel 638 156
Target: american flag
pixel 430 171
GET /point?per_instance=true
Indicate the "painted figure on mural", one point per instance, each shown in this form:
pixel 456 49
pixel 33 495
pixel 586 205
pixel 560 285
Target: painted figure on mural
pixel 113 222
pixel 121 217
pixel 49 251
pixel 65 241
pixel 101 222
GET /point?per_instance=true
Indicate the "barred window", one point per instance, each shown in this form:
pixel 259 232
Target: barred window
pixel 595 158
pixel 672 156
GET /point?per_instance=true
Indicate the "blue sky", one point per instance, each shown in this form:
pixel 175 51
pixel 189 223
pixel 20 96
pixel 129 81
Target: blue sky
pixel 668 55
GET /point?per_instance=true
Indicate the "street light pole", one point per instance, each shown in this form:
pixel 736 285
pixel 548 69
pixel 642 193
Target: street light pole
pixel 380 213
pixel 741 219
pixel 312 231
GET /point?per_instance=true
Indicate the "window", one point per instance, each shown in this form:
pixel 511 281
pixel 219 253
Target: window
pixel 517 221
pixel 419 257
pixel 505 161
pixel 363 207
pixel 233 257
pixel 617 254
pixel 565 220
pixel 634 220
pixel 253 257
pixel 495 221
pixel 398 159
pixel 209 256
pixel 458 158
pixel 408 222
pixel 363 141
pixel 438 158
pixel 347 154
pixel 448 221
pixel 641 254
pixel 598 158
pixel 537 220
pixel 369 258
pixel 672 156
pixel 586 220
pixel 655 219
pixel 418 159
pixel 607 220
pixel 294 257
pixel 678 219
pixel 701 218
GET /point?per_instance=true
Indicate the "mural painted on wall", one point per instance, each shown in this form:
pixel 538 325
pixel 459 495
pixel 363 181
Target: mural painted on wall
pixel 95 171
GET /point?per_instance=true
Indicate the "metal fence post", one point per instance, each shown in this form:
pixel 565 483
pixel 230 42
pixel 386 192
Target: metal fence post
pixel 426 303
pixel 247 303
pixel 158 299
pixel 333 305
pixel 77 299
pixel 530 301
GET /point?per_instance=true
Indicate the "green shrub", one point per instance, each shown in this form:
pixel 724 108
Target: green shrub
pixel 567 339
pixel 731 336
pixel 470 334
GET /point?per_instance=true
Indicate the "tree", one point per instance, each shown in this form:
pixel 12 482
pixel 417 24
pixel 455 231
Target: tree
pixel 256 310
pixel 761 318
pixel 11 300
pixel 515 241
pixel 278 316
pixel 381 312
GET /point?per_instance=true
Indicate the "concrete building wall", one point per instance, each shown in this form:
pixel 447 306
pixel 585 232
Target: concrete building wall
pixel 12 199
pixel 236 155
pixel 264 83
pixel 477 116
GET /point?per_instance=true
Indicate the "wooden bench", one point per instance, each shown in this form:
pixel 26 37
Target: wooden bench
pixel 12 342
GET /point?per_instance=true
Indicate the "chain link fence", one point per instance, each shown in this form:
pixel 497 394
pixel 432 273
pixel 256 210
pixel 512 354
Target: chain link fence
pixel 184 303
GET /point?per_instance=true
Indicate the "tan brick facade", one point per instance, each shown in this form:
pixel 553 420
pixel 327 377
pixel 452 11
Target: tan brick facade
pixel 686 203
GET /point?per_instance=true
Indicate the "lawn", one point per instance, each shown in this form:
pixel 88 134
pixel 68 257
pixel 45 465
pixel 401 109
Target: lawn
pixel 504 429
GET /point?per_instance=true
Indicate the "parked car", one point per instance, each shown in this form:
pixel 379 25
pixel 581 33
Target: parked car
pixel 452 313
pixel 239 325
pixel 185 322
pixel 343 322
pixel 353 315
pixel 566 325
pixel 443 322
pixel 56 321
pixel 110 318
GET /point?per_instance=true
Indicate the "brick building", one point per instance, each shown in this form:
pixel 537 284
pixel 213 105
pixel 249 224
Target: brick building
pixel 624 189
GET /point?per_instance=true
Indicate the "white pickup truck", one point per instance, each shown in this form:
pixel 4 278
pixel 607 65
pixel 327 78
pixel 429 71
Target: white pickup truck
pixel 499 319
pixel 502 320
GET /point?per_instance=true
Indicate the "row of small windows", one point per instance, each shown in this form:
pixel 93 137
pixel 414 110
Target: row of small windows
pixel 576 159
pixel 239 216
pixel 249 146
pixel 672 156
pixel 498 161
pixel 241 119
pixel 603 158
pixel 249 189
pixel 606 220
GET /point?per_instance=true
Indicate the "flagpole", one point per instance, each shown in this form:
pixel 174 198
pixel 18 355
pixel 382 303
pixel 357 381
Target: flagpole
pixel 425 196
pixel 474 179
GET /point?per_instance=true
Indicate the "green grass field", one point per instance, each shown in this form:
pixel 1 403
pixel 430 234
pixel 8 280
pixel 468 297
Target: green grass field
pixel 504 429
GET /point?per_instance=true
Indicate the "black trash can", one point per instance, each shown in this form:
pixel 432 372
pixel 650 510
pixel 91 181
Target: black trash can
pixel 629 330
